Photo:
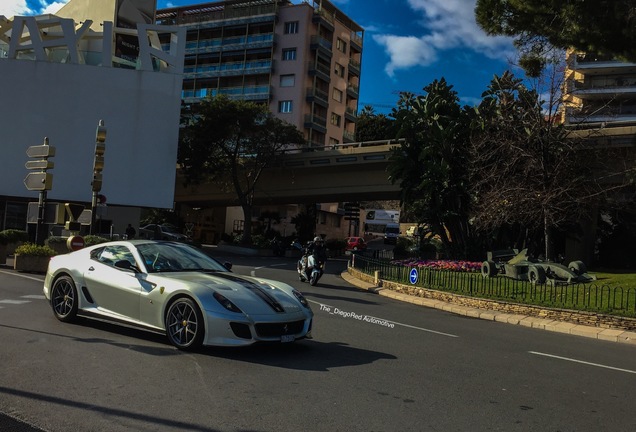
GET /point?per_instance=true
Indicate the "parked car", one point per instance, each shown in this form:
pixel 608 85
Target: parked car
pixel 177 289
pixel 355 244
pixel 162 232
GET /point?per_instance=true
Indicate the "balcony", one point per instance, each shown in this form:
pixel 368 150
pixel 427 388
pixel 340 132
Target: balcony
pixel 356 41
pixel 351 114
pixel 354 67
pixel 242 93
pixel 228 69
pixel 353 91
pixel 348 137
pixel 230 43
pixel 321 45
pixel 601 114
pixel 604 87
pixel 585 63
pixel 324 18
pixel 315 122
pixel 320 70
pixel 319 96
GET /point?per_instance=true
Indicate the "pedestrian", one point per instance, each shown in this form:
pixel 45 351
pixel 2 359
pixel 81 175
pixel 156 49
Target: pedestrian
pixel 130 232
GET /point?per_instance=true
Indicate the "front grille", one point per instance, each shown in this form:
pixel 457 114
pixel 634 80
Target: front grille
pixel 279 329
pixel 241 330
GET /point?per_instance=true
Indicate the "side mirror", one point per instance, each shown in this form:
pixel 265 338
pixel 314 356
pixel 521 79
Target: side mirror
pixel 126 265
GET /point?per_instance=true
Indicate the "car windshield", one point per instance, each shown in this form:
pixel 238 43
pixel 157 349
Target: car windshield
pixel 176 257
pixel 168 228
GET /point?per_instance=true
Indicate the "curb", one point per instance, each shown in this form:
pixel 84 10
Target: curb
pixel 605 334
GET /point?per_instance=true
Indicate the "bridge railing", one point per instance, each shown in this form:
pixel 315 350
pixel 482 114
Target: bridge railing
pixel 342 146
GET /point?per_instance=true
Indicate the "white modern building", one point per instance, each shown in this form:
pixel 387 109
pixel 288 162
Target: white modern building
pixel 95 60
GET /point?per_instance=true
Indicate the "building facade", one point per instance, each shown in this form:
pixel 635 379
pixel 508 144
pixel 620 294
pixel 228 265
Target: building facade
pixel 62 75
pixel 600 107
pixel 302 60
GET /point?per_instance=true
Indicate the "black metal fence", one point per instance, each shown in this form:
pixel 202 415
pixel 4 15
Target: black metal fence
pixel 591 297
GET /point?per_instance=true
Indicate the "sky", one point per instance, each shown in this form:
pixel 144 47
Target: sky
pixel 407 45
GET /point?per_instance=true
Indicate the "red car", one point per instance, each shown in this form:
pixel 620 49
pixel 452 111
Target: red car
pixel 355 244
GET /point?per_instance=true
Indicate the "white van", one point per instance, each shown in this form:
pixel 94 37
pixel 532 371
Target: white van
pixel 391 233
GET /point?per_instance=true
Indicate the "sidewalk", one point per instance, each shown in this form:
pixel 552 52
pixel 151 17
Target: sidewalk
pixel 606 334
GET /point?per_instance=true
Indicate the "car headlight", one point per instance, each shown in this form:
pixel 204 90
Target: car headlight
pixel 226 303
pixel 301 298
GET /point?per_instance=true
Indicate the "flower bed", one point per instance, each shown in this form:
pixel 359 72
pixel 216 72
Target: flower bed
pixel 458 266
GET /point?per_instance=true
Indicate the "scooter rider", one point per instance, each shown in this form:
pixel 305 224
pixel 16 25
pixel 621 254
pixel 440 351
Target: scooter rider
pixel 317 249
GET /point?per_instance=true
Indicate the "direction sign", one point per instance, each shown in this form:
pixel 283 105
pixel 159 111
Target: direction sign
pixel 413 276
pixel 39 164
pixel 38 181
pixel 41 151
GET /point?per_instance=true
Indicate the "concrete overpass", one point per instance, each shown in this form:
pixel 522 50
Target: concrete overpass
pixel 345 172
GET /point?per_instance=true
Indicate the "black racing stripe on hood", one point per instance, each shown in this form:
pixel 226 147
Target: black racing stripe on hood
pixel 260 292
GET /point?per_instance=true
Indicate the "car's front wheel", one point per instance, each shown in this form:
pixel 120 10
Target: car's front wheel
pixel 184 324
pixel 64 299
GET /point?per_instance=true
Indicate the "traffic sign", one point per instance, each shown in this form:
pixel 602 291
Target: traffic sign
pixel 74 211
pixel 38 181
pixel 42 164
pixel 41 151
pixel 74 243
pixel 413 276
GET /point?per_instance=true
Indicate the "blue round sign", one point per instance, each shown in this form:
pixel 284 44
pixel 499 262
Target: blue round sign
pixel 413 276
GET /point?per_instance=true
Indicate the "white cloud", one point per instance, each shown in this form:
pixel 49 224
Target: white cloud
pixel 448 24
pixel 54 7
pixel 11 8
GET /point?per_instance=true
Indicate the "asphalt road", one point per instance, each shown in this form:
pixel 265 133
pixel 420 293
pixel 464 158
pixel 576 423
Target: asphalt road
pixel 374 364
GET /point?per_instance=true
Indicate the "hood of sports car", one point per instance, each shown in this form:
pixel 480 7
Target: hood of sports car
pixel 251 295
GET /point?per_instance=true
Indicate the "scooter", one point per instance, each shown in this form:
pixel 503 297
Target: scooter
pixel 310 269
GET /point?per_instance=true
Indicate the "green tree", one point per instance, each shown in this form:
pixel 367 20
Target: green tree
pixel 230 143
pixel 374 127
pixel 600 27
pixel 526 169
pixel 430 166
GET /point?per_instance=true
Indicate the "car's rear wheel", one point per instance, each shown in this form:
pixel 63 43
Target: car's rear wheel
pixel 577 267
pixel 184 324
pixel 536 274
pixel 64 299
pixel 488 269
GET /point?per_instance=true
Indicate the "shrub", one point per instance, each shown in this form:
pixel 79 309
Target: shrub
pixel 13 236
pixel 91 240
pixel 31 249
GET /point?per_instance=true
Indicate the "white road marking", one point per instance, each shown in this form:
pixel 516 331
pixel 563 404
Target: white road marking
pixel 14 302
pixel 582 362
pixel 41 279
pixel 396 323
pixel 34 296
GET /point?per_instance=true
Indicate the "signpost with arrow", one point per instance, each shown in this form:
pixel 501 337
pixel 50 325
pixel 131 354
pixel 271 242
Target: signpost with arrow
pixel 40 180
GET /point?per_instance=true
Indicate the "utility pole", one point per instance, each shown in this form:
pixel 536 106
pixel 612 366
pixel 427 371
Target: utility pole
pixel 41 181
pixel 98 166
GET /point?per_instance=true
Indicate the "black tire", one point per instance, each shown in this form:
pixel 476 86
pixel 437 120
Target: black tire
pixel 185 328
pixel 488 269
pixel 314 279
pixel 64 299
pixel 577 267
pixel 536 274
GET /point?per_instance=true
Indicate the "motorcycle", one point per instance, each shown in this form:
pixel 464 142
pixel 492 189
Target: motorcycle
pixel 310 269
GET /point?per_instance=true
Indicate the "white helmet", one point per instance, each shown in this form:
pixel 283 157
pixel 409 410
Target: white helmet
pixel 317 239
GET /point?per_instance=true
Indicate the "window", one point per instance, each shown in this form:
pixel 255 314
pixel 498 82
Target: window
pixel 287 80
pixel 335 119
pixel 339 70
pixel 285 106
pixel 289 54
pixel 337 94
pixel 291 27
pixel 341 45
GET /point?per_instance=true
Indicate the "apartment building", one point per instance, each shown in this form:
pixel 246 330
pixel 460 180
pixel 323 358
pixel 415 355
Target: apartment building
pixel 600 106
pixel 302 60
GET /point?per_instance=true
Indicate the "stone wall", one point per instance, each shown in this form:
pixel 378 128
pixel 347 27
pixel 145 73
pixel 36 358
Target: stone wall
pixel 566 315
